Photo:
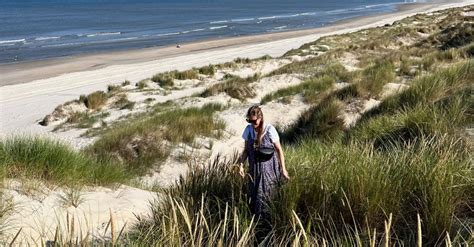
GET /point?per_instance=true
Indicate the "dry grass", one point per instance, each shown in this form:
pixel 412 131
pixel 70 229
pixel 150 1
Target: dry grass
pixel 233 86
pixel 95 100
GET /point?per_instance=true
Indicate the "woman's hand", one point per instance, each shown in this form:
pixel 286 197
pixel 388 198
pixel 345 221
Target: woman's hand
pixel 284 172
pixel 241 170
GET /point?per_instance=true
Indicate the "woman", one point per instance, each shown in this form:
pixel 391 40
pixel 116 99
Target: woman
pixel 266 161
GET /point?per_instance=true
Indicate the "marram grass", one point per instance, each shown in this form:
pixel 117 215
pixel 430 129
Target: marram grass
pixel 52 161
pixel 144 142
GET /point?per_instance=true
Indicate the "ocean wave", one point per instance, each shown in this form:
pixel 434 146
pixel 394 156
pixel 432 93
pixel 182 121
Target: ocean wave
pixel 166 34
pixel 102 34
pixel 338 11
pixel 288 16
pixel 12 41
pixel 344 11
pixel 382 5
pixel 280 27
pixel 280 16
pixel 194 30
pixel 243 19
pixel 217 22
pixel 308 13
pixel 217 27
pixel 63 44
pixel 46 38
pixel 89 43
pixel 267 17
pixel 121 39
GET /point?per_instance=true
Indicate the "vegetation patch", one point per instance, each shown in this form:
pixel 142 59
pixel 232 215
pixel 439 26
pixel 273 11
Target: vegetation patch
pixel 124 103
pixel 234 86
pixel 142 84
pixel 312 90
pixel 95 100
pixel 167 79
pixel 454 36
pixel 341 189
pixel 82 120
pixel 335 188
pixel 209 70
pixel 113 89
pixel 39 158
pixel 319 122
pixel 430 89
pixel 375 77
pixel 306 66
pixel 242 60
pixel 125 83
pixel 141 143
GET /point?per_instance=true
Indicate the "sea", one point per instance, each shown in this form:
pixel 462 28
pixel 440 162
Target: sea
pixel 42 29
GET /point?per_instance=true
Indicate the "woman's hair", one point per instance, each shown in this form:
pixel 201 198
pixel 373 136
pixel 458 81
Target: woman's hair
pixel 257 112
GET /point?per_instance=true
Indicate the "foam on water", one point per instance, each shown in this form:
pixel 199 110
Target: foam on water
pixel 35 29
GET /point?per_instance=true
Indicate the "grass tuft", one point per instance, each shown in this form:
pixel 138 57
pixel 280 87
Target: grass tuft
pixel 375 77
pixel 112 89
pixel 142 84
pixel 124 103
pixel 52 161
pixel 141 143
pixel 167 79
pixel 233 86
pixel 207 70
pixel 311 89
pixel 95 100
pixel 125 83
pixel 319 122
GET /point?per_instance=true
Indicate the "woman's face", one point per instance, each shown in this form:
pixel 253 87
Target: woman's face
pixel 255 121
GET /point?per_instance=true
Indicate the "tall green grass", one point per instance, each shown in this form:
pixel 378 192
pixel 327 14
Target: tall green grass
pixel 430 89
pixel 95 100
pixel 357 185
pixel 311 90
pixel 207 70
pixel 166 79
pixel 306 66
pixel 402 176
pixel 234 86
pixel 207 207
pixel 52 161
pixel 321 121
pixel 338 194
pixel 375 77
pixel 141 143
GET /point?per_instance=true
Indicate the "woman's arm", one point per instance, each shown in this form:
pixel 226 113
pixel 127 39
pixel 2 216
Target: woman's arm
pixel 243 155
pixel 281 157
pixel 242 158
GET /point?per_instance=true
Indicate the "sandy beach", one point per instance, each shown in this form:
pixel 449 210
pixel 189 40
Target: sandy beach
pixel 38 87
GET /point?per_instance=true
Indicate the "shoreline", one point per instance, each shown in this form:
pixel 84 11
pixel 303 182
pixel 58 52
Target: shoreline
pixel 24 72
pixel 50 84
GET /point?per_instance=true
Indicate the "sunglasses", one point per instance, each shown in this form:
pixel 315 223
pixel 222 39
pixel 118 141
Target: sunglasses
pixel 252 121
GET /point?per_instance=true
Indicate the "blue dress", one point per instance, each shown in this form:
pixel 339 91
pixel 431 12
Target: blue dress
pixel 265 177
